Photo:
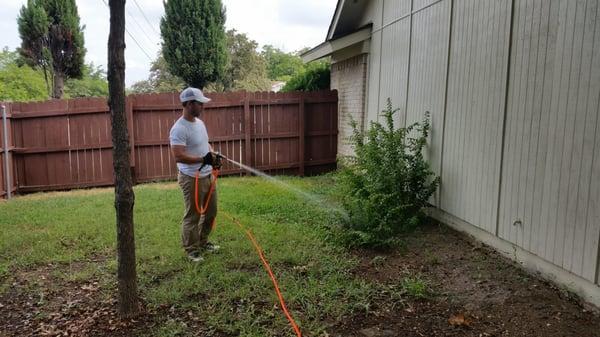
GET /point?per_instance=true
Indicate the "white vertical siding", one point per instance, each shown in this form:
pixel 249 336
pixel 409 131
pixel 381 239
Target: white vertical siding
pixel 418 4
pixel 546 174
pixel 588 222
pixel 429 59
pixel 395 41
pixel 474 115
pixel 395 9
pixel 550 151
pixel 389 50
pixel 373 78
pixel 524 108
pixel 373 14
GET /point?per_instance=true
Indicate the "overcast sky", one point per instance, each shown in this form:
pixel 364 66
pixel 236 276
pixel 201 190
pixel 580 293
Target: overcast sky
pixel 287 24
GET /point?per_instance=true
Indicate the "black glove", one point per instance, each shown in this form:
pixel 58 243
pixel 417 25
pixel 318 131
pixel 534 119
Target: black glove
pixel 217 161
pixel 208 159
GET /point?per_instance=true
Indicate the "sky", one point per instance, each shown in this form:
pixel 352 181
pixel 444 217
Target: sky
pixel 289 25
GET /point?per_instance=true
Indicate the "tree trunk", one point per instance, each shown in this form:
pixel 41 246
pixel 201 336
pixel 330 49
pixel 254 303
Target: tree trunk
pixel 124 197
pixel 58 86
pixel 45 69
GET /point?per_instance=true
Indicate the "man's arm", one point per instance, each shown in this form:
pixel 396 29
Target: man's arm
pixel 181 156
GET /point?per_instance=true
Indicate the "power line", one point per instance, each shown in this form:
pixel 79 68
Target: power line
pixel 133 38
pixel 146 18
pixel 140 26
pixel 138 44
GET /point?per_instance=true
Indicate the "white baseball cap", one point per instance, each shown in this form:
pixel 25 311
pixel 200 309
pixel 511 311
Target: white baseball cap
pixel 193 94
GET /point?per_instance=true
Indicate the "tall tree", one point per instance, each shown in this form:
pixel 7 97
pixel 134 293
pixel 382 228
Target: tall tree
pixel 52 39
pixel 246 68
pixel 281 66
pixel 92 84
pixel 18 81
pixel 160 79
pixel 315 76
pixel 124 196
pixel 194 43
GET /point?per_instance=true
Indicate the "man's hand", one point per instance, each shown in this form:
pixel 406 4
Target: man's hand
pixel 209 158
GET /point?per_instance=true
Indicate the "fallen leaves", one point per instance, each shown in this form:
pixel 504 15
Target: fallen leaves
pixel 90 287
pixel 460 320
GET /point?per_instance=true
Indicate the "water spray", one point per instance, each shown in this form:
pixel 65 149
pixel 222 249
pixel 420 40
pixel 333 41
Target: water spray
pixel 316 200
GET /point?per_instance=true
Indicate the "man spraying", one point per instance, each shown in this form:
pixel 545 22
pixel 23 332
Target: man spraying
pixel 192 152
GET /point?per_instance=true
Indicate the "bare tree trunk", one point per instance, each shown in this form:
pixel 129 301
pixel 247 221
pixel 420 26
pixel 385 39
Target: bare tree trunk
pixel 124 197
pixel 58 85
pixel 45 69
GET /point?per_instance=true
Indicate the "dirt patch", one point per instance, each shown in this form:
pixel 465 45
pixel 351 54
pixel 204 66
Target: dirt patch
pixel 474 292
pixel 38 302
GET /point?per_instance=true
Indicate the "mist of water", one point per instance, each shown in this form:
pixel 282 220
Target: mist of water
pixel 313 198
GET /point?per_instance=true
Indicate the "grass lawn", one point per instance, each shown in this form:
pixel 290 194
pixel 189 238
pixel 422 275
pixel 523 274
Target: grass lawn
pixel 229 293
pixel 58 273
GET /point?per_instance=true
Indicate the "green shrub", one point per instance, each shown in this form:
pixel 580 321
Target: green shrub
pixel 387 183
pixel 316 76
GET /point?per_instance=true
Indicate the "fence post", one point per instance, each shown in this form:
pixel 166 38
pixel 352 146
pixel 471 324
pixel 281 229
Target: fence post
pixel 129 101
pixel 301 135
pixel 247 133
pixel 7 180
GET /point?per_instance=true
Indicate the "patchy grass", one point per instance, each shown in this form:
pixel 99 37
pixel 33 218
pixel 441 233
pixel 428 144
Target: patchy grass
pixel 229 293
pixel 415 286
pixel 58 273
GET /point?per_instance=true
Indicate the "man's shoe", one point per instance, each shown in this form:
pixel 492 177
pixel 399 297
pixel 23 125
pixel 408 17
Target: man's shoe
pixel 195 257
pixel 211 247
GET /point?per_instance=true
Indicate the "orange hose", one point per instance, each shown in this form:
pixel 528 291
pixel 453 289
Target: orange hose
pixel 203 209
pixel 268 268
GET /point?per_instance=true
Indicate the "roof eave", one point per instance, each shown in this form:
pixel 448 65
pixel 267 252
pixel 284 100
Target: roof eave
pixel 335 19
pixel 328 47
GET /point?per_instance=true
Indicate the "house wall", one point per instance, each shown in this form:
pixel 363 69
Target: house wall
pixel 513 89
pixel 349 78
pixel 551 170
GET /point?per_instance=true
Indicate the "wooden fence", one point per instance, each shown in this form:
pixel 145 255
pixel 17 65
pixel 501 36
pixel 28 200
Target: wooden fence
pixel 64 144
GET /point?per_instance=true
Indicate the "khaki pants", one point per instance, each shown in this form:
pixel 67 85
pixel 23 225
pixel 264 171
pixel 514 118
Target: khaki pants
pixel 194 227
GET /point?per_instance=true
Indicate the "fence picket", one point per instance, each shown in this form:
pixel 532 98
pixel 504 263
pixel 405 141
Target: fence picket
pixel 48 139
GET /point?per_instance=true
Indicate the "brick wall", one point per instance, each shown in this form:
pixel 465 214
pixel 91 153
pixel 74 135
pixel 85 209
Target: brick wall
pixel 349 78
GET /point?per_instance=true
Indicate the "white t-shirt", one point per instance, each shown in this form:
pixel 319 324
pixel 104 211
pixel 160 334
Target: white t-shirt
pixel 194 137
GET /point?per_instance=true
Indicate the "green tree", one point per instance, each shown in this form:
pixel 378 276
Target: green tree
pixel 194 43
pixel 51 38
pixel 316 76
pixel 246 68
pixel 160 79
pixel 281 66
pixel 18 81
pixel 93 83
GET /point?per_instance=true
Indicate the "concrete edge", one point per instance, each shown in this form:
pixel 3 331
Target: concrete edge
pixel 587 290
